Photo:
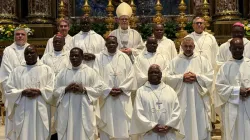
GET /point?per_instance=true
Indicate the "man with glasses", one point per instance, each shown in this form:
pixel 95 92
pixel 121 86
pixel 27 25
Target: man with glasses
pixel 129 40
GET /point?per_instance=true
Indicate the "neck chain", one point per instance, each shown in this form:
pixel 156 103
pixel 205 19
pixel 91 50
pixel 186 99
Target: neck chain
pixel 200 46
pixel 158 103
pixel 124 43
pixel 114 73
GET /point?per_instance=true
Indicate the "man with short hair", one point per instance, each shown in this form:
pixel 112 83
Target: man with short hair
pixel 117 72
pixel 89 41
pixel 232 93
pixel 29 94
pixel 224 53
pixel 191 76
pixel 165 46
pixel 205 43
pixel 129 40
pixel 13 56
pixel 157 113
pixel 63 27
pixel 77 90
pixel 146 59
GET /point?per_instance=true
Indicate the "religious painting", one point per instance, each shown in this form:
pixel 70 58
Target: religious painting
pixel 98 7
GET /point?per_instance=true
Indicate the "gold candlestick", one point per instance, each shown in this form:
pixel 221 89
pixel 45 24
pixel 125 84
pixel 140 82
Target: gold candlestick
pixel 109 19
pixel 86 8
pixel 61 10
pixel 182 19
pixel 206 16
pixel 158 19
pixel 133 18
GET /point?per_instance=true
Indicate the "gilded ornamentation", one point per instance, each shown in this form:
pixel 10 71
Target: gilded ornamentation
pixel 61 10
pixel 133 18
pixel 86 8
pixel 159 19
pixel 182 20
pixel 206 16
pixel 7 11
pixel 39 11
pixel 110 18
pixel 227 9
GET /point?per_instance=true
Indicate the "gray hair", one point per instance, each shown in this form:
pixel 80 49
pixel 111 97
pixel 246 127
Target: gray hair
pixel 187 39
pixel 20 29
pixel 196 18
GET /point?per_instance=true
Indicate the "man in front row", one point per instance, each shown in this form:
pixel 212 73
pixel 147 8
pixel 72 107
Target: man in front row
pixel 233 91
pixel 29 93
pixel 157 114
pixel 77 89
pixel 190 75
pixel 116 70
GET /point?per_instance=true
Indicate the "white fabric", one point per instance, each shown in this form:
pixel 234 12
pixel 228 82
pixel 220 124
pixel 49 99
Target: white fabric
pixel 89 42
pixel 133 39
pixel 167 48
pixel 67 47
pixel 144 61
pixel 193 98
pixel 77 113
pixel 30 117
pixel 225 54
pixel 116 71
pixel 147 114
pixel 205 45
pixel 235 112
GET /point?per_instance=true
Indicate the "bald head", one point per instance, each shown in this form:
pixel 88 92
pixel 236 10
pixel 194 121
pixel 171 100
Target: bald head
pixel 188 46
pixel 237 48
pixel 158 30
pixel 30 55
pixel 154 74
pixel 85 23
pixel 151 44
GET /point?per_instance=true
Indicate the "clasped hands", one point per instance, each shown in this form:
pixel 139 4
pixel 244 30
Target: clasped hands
pixel 75 88
pixel 88 56
pixel 244 92
pixel 31 93
pixel 115 92
pixel 128 51
pixel 189 77
pixel 161 129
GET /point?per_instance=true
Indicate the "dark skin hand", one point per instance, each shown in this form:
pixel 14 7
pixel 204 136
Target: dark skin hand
pixel 244 93
pixel 189 77
pixel 161 129
pixel 115 92
pixel 31 93
pixel 88 56
pixel 128 51
pixel 75 88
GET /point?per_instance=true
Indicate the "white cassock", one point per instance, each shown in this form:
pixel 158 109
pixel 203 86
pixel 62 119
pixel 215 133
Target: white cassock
pixel 30 117
pixel 193 98
pixel 167 48
pixel 235 112
pixel 89 42
pixel 225 54
pixel 56 60
pixel 129 38
pixel 144 61
pixel 67 47
pixel 156 104
pixel 205 45
pixel 116 112
pixel 13 56
pixel 76 113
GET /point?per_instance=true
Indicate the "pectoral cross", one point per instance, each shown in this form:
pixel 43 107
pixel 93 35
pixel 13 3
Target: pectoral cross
pixel 159 104
pixel 200 51
pixel 115 74
pixel 124 43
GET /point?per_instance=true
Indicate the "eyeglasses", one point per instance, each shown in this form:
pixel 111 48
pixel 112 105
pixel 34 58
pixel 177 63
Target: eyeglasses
pixel 197 23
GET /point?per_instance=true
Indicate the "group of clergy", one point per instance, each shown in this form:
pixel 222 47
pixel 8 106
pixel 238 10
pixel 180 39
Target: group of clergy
pixel 85 87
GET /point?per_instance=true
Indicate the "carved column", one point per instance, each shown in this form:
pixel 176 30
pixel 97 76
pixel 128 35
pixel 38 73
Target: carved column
pixel 227 10
pixel 7 11
pixel 39 11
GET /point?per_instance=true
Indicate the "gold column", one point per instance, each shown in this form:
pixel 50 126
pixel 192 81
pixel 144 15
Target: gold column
pixel 7 11
pixel 86 8
pixel 61 10
pixel 206 16
pixel 158 19
pixel 133 18
pixel 181 19
pixel 39 11
pixel 109 19
pixel 227 10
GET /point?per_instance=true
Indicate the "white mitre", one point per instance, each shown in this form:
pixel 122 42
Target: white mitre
pixel 123 10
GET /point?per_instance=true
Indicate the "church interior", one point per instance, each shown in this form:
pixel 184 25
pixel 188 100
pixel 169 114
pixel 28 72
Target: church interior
pixel 40 17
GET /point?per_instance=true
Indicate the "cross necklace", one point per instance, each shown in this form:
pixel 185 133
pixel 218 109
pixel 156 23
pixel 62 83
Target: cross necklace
pixel 115 73
pixel 158 103
pixel 199 45
pixel 124 43
pixel 87 46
